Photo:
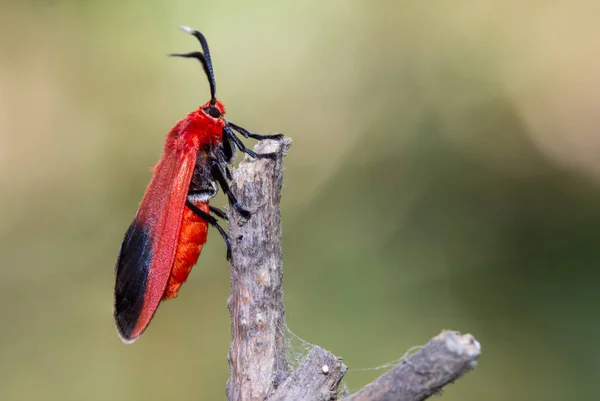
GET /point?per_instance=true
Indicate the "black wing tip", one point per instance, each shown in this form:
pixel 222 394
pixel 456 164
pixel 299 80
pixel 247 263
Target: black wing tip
pixel 125 326
pixel 131 274
pixel 126 339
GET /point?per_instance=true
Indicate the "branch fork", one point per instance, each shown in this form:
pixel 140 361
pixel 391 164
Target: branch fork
pixel 259 370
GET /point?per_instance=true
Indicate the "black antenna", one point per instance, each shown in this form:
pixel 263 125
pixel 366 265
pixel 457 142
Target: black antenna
pixel 204 58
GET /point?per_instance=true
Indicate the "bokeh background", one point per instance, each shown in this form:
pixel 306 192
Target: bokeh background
pixel 444 174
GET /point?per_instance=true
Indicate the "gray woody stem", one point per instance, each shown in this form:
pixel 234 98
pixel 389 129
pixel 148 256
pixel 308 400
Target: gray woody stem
pixel 257 360
pixel 441 361
pixel 257 352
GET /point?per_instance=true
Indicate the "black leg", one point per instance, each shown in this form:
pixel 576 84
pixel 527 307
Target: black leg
pixel 213 222
pixel 248 134
pixel 218 176
pixel 228 173
pixel 227 150
pixel 218 212
pixel 227 131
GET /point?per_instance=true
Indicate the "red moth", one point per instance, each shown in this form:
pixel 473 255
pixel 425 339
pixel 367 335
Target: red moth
pixel 169 229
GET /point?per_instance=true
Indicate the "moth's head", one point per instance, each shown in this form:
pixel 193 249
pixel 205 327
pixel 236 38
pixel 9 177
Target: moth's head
pixel 214 109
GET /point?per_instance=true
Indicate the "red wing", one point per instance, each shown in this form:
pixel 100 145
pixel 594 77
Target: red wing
pixel 148 250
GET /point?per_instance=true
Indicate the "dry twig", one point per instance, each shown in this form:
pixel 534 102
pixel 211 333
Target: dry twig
pixel 257 359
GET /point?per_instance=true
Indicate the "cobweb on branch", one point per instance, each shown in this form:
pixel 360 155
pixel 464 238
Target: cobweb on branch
pixel 386 366
pixel 297 349
pixel 390 364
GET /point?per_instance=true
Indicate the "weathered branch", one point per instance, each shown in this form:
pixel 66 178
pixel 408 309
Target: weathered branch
pixel 317 378
pixel 258 366
pixel 444 359
pixel 257 354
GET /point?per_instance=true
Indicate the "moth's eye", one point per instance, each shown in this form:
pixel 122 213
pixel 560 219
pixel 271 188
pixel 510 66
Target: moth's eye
pixel 213 112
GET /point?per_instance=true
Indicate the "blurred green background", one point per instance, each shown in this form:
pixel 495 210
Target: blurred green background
pixel 444 174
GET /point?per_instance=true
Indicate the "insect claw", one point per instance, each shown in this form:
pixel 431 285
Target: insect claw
pixel 244 213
